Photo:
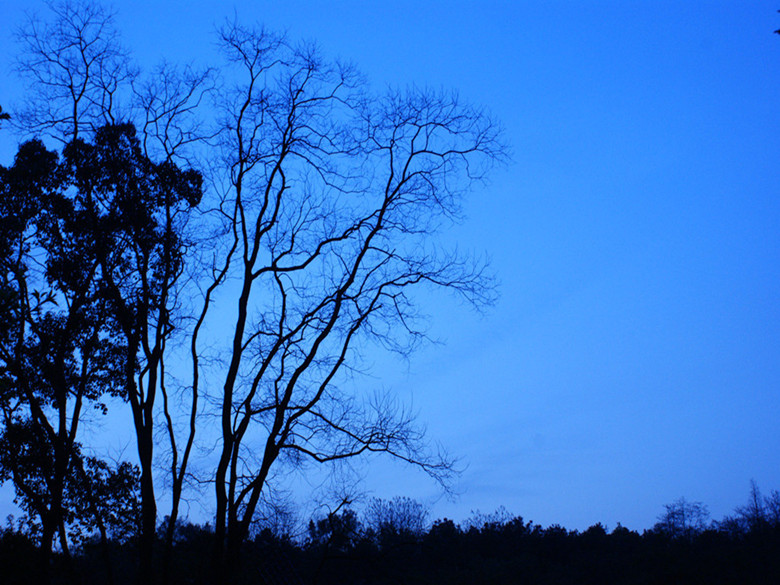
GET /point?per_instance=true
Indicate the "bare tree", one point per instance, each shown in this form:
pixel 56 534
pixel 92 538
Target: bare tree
pixel 76 69
pixel 683 519
pixel 772 508
pixel 169 103
pixel 753 515
pixel 331 197
pixel 401 515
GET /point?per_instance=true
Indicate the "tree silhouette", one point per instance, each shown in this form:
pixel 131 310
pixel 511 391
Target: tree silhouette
pixel 331 196
pixel 683 519
pixel 101 223
pixel 400 517
pixel 57 356
pixel 315 237
pixel 75 68
pixel 79 79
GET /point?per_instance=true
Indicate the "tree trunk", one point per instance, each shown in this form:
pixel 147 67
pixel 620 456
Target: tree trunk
pixel 148 512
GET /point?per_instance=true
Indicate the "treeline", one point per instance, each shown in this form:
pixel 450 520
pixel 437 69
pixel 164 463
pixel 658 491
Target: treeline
pixel 391 542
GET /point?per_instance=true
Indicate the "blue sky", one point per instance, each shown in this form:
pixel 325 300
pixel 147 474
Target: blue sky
pixel 634 355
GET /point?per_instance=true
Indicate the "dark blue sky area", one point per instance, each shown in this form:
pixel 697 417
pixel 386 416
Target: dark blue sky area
pixel 634 355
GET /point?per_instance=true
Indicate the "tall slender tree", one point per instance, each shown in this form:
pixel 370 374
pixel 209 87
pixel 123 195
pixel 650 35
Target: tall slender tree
pixel 331 197
pixel 135 213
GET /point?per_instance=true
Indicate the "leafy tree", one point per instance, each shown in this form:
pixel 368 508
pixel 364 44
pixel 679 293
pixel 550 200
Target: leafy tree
pixel 79 79
pixel 55 354
pixel 135 215
pixel 106 500
pixel 104 230
pixel 338 531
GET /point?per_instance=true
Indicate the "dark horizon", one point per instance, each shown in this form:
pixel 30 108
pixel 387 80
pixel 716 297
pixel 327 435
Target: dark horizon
pixel 632 355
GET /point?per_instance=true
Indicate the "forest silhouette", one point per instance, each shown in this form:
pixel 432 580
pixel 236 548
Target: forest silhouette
pixel 392 542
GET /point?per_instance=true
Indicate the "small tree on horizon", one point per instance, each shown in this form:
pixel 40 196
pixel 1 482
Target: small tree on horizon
pixel 683 519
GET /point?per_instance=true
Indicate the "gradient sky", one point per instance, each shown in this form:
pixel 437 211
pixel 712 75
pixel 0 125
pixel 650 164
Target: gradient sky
pixel 634 355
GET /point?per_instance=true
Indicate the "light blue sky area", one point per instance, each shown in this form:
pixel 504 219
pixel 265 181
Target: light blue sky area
pixel 634 356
